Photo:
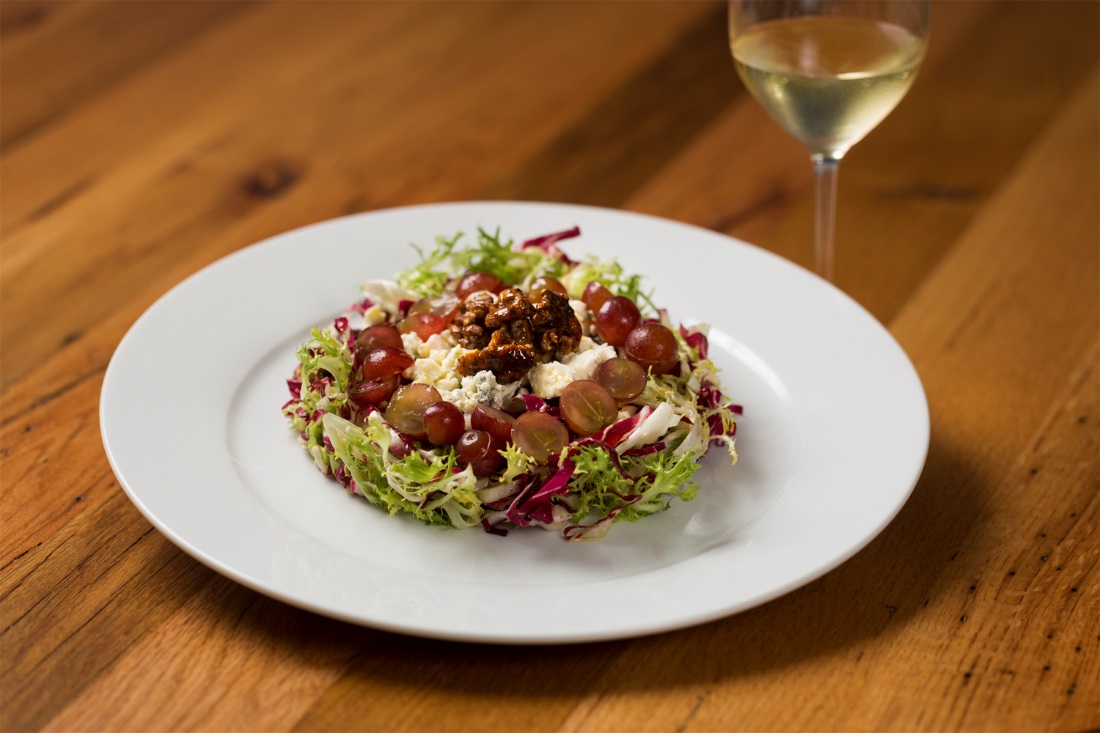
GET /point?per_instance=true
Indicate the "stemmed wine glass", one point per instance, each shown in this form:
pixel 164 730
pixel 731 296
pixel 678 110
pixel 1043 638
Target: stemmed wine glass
pixel 828 71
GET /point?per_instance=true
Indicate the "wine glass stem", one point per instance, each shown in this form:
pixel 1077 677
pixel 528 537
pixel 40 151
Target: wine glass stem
pixel 825 173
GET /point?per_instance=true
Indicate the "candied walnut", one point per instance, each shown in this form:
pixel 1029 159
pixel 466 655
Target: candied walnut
pixel 508 332
pixel 468 325
pixel 512 305
pixel 555 324
pixel 508 355
pixel 508 362
pixel 516 332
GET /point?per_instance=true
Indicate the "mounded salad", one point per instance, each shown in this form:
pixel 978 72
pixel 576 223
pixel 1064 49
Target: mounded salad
pixel 508 385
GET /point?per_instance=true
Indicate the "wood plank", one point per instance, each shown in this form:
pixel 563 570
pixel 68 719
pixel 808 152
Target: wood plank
pixel 210 179
pixel 488 688
pixel 52 462
pixel 95 588
pixel 26 22
pixel 187 99
pixel 270 685
pixel 45 80
pixel 604 156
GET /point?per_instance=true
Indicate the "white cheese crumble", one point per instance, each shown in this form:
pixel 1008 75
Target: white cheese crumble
pixel 550 379
pixel 580 310
pixel 374 316
pixel 412 343
pixel 438 367
pixel 420 349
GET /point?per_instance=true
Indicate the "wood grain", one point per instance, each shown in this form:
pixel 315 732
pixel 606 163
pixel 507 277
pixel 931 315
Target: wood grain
pixel 140 32
pixel 141 141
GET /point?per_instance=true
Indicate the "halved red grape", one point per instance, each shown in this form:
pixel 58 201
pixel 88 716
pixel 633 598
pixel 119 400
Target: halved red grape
pixel 538 434
pixel 595 295
pixel 373 337
pixel 407 407
pixel 373 393
pixel 615 319
pixel 443 304
pixel 385 361
pixel 497 423
pixel 622 378
pixel 476 448
pixel 587 407
pixel 474 281
pixel 423 325
pixel 654 347
pixel 443 423
pixel 545 283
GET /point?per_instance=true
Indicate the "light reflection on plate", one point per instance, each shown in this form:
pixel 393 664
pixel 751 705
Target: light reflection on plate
pixel 821 383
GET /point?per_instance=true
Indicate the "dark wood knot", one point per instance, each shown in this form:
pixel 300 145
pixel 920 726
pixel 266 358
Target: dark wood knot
pixel 271 178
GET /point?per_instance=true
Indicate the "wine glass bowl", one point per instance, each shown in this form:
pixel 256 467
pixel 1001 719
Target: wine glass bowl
pixel 828 71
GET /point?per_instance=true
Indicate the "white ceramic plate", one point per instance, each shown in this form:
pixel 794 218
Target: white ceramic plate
pixel 832 441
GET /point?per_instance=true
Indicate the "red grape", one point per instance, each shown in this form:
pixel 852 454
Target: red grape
pixel 595 295
pixel 407 407
pixel 443 304
pixel 443 422
pixel 545 283
pixel 423 325
pixel 373 337
pixel 373 393
pixel 385 361
pixel 476 448
pixel 475 281
pixel 497 423
pixel 654 347
pixel 622 378
pixel 587 407
pixel 538 434
pixel 615 319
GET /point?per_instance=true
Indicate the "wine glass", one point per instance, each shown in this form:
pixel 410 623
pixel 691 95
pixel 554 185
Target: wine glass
pixel 828 71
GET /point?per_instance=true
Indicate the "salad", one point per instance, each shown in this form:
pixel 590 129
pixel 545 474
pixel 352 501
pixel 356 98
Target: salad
pixel 502 385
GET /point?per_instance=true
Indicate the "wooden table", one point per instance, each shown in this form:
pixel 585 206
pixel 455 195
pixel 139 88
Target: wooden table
pixel 142 141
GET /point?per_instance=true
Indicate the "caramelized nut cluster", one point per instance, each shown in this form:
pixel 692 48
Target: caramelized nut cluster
pixel 510 333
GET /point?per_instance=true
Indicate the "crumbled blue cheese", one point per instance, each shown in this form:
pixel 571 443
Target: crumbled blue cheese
pixel 550 379
pixel 480 389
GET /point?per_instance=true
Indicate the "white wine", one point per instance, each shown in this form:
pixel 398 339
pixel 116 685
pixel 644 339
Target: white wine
pixel 828 80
